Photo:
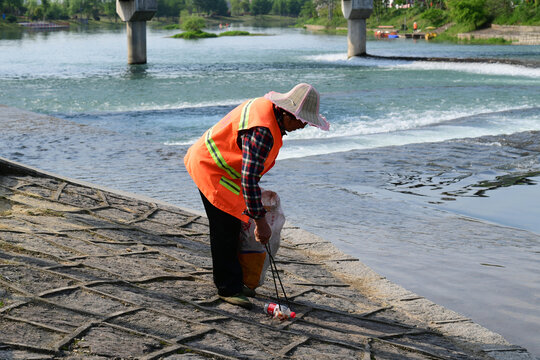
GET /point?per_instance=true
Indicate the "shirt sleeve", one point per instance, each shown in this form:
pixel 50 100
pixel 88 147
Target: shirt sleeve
pixel 256 145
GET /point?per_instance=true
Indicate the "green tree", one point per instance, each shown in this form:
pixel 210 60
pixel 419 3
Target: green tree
pixel 109 9
pixel 193 23
pixel 84 8
pixel 211 6
pixel 14 7
pixel 236 8
pixel 260 7
pixel 294 7
pixel 434 17
pixel 221 8
pixel 308 10
pixel 170 8
pixel 32 11
pixel 468 12
pixel 202 6
pixel 498 8
pixel 380 8
pixel 45 6
pixel 279 7
pixel 526 13
pixel 56 11
pixel 246 5
pixel 329 5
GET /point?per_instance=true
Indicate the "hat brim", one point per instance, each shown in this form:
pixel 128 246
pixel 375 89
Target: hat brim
pixel 313 119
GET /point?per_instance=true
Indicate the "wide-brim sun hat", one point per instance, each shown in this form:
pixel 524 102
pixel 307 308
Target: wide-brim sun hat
pixel 303 102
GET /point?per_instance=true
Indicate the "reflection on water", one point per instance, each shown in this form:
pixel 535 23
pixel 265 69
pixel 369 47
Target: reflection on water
pixel 418 184
pixel 10 34
pixel 136 72
pixel 506 181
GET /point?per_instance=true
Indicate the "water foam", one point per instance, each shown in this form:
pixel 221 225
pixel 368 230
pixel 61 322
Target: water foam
pixel 181 143
pixel 475 68
pixel 303 149
pixel 469 67
pixel 351 135
pixel 405 120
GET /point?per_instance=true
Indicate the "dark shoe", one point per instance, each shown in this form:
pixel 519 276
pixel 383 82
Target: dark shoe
pixel 237 299
pixel 248 291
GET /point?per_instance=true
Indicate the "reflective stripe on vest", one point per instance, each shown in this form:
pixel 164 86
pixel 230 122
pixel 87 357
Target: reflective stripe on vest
pixel 214 161
pixel 218 158
pixel 245 115
pixel 229 185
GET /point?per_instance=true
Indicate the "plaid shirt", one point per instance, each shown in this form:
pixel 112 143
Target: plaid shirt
pixel 256 145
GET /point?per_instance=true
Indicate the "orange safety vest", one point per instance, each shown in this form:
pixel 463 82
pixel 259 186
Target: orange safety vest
pixel 215 160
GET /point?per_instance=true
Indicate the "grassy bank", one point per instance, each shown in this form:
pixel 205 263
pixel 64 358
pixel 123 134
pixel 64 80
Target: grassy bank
pixel 193 28
pixel 73 23
pixel 214 21
pixel 6 26
pixel 204 35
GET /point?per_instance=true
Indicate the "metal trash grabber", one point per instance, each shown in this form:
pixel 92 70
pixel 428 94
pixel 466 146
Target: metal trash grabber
pixel 274 273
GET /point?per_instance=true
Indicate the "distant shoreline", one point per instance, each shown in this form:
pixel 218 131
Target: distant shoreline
pixel 513 34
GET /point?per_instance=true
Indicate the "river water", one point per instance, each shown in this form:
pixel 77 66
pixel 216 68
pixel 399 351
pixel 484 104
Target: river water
pixel 428 175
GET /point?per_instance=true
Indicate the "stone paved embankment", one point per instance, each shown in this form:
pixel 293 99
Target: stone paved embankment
pixel 86 272
pixel 520 35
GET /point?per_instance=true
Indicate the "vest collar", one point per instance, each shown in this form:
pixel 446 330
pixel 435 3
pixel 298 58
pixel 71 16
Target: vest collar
pixel 279 118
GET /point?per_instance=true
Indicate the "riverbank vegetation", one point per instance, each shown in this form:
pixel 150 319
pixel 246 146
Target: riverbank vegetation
pixel 462 15
pixel 456 16
pixel 193 29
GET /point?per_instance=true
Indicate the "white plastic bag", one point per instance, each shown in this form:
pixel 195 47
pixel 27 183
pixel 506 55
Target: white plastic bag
pixel 253 257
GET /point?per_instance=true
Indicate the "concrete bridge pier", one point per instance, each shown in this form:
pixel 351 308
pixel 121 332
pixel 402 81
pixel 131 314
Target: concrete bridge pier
pixel 356 12
pixel 136 13
pixel 136 40
pixel 356 37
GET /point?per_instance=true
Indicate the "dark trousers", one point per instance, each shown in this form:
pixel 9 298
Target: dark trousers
pixel 224 243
